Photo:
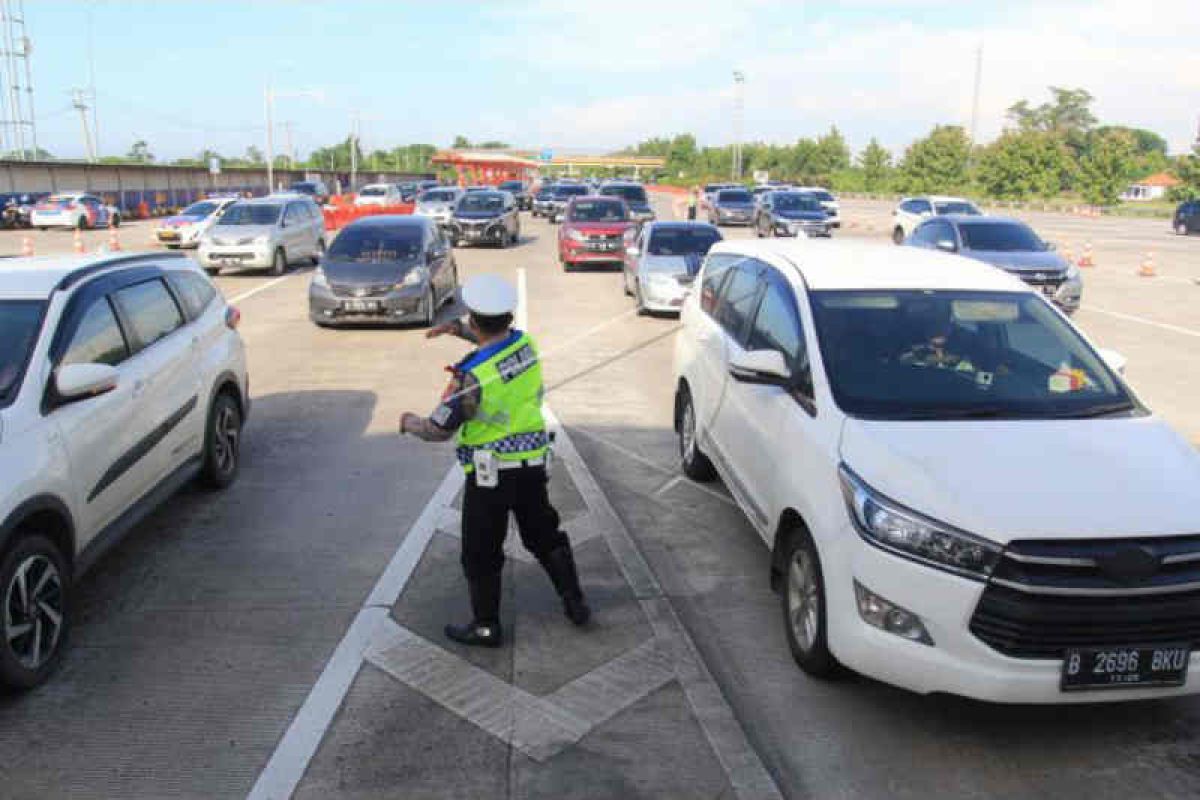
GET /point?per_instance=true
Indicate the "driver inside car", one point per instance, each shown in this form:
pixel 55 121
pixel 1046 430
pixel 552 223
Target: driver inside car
pixel 938 343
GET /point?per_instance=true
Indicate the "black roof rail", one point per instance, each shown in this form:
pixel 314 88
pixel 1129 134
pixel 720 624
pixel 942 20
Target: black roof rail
pixel 78 275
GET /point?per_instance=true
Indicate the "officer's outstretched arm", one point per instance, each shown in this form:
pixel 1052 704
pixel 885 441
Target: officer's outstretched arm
pixel 457 406
pixel 455 327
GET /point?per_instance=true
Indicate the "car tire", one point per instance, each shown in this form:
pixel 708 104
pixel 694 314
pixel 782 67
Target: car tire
pixel 1181 229
pixel 212 272
pixel 625 283
pixel 758 229
pixel 695 464
pixel 222 443
pixel 898 235
pixel 430 308
pixel 320 252
pixel 35 557
pixel 279 262
pixel 639 301
pixel 516 236
pixel 802 600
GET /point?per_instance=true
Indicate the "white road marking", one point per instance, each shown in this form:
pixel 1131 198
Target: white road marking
pixel 1142 320
pixel 299 744
pixel 668 486
pixel 246 295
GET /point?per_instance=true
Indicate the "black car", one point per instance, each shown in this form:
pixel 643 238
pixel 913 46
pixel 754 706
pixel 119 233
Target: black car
pixel 314 189
pixel 520 191
pixel 387 269
pixel 543 200
pixel 791 213
pixel 634 195
pixel 485 217
pixel 1187 218
pixel 16 208
pixel 563 192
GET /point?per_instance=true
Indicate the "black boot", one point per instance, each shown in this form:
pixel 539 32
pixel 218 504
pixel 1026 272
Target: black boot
pixel 560 566
pixel 484 630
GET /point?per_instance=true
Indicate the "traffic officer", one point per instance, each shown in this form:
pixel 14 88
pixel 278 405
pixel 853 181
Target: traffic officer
pixel 494 402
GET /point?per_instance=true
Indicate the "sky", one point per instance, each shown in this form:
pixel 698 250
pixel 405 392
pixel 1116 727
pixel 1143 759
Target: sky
pixel 595 76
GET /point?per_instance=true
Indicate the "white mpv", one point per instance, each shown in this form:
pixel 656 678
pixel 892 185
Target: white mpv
pixel 959 492
pixel 121 378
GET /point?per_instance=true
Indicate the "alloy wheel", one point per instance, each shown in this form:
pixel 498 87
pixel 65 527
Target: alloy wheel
pixel 687 431
pixel 803 600
pixel 227 433
pixel 33 611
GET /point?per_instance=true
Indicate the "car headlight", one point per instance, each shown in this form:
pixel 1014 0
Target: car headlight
pixel 414 277
pixel 576 236
pixel 1072 272
pixel 892 527
pixel 319 278
pixel 261 239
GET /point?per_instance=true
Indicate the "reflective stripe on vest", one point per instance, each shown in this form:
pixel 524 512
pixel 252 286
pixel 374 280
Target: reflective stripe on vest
pixel 509 419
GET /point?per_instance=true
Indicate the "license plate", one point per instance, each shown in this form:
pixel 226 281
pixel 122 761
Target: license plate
pixel 1125 667
pixel 602 247
pixel 229 261
pixel 167 236
pixel 361 306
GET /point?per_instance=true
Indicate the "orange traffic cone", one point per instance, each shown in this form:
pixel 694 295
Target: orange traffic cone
pixel 26 245
pixel 1086 260
pixel 78 245
pixel 1147 270
pixel 114 243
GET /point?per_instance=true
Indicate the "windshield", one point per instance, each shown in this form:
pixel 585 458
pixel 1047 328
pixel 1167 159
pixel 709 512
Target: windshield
pixel 682 241
pixel 202 209
pixel 631 194
pixel 956 207
pixel 19 324
pixel 246 214
pixel 545 193
pixel 304 188
pixel 570 191
pixel 598 211
pixel 735 196
pixel 511 186
pixel 796 202
pixel 373 191
pixel 956 354
pixel 1001 236
pixel 376 244
pixel 478 201
pixel 438 196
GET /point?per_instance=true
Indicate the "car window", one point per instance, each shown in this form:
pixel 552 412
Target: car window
pixel 716 269
pixel 598 211
pixel 923 235
pixel 376 244
pixel 150 310
pixel 194 290
pixel 1000 236
pixel 957 207
pixel 740 299
pixel 250 214
pixel 936 232
pixel 777 327
pixel 20 321
pixel 98 339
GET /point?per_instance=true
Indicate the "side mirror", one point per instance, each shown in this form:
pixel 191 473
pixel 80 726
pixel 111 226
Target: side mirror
pixel 1116 362
pixel 947 246
pixel 760 366
pixel 81 381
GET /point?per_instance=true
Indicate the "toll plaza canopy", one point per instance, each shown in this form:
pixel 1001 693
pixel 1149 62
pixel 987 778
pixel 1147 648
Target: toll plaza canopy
pixel 487 167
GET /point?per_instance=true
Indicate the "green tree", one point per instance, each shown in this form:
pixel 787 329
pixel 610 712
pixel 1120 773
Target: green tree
pixel 337 156
pixel 461 143
pixel 1025 163
pixel 254 156
pixel 1187 169
pixel 493 144
pixel 140 152
pixel 1107 166
pixel 831 154
pixel 876 164
pixel 1069 111
pixel 937 163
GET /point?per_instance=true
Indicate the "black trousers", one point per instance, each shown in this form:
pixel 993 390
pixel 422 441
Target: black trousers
pixel 691 212
pixel 485 520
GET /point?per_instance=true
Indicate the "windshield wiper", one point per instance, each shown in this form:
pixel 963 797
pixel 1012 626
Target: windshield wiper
pixel 1092 412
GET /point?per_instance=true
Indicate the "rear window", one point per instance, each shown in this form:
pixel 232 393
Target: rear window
pixel 735 196
pixel 598 211
pixel 682 241
pixel 373 191
pixel 438 196
pixel 512 186
pixel 956 207
pixel 631 194
pixel 999 236
pixel 375 244
pixel 571 191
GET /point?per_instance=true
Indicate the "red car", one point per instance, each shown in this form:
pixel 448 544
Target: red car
pixel 594 230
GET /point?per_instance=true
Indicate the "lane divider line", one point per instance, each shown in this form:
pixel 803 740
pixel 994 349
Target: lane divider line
pixel 1143 321
pixel 246 295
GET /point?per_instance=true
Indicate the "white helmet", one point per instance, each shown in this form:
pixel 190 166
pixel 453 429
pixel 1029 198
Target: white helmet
pixel 489 295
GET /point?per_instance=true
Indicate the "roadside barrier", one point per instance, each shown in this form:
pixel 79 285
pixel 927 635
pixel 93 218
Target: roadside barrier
pixel 77 245
pixel 26 245
pixel 338 215
pixel 1085 260
pixel 1147 269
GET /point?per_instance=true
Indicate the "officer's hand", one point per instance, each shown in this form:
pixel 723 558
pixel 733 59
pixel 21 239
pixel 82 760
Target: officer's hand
pixel 443 329
pixel 407 420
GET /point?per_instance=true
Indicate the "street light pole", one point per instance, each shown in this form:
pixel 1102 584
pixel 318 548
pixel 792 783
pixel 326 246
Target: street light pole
pixel 270 143
pixel 739 105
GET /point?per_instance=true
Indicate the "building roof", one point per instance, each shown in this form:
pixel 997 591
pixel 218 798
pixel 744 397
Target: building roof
pixel 868 265
pixel 1164 179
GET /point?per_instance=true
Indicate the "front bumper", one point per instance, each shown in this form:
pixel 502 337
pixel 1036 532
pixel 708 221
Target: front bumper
pixel 734 217
pixel 572 252
pixel 807 227
pixel 178 237
pixel 441 218
pixel 396 307
pixel 490 232
pixel 251 256
pixel 957 663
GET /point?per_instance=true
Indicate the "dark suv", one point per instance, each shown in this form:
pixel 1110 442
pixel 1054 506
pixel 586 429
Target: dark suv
pixel 1187 218
pixel 520 192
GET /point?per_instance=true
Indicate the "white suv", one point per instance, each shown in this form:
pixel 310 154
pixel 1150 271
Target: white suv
pixel 960 494
pixel 120 380
pixel 912 211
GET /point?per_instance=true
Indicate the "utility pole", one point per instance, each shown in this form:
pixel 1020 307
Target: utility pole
pixel 92 80
pixel 975 97
pixel 739 110
pixel 291 151
pixel 270 100
pixel 16 80
pixel 79 100
pixel 354 151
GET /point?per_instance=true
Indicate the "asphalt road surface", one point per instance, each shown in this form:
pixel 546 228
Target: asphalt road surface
pixel 286 633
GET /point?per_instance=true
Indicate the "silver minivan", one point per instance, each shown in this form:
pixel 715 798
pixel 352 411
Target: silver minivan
pixel 266 233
